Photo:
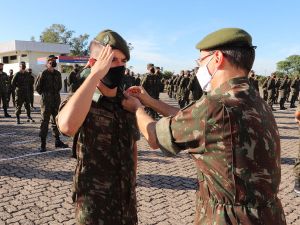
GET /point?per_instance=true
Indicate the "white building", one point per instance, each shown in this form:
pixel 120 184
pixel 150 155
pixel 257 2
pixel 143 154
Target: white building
pixel 14 52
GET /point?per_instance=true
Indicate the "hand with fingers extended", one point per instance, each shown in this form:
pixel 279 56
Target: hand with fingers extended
pixel 141 94
pixel 102 64
pixel 130 103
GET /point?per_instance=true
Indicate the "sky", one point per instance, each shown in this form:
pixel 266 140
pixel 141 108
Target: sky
pixel 163 32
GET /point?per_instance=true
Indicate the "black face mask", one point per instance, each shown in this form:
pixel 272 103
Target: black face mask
pixel 152 70
pixel 53 64
pixel 114 77
pixel 1 69
pixel 23 67
pixel 29 72
pixel 76 70
pixel 11 73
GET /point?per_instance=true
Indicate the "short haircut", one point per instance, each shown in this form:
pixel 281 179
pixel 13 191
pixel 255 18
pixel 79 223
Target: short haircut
pixel 238 57
pixel 94 45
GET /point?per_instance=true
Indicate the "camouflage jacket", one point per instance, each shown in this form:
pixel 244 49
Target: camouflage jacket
pixel 271 85
pixel 31 82
pixel 73 82
pixel 49 85
pixel 264 86
pixel 255 84
pixel 178 81
pixel 233 138
pixel 295 86
pixel 137 81
pixel 288 88
pixel 183 87
pixel 132 81
pixel 149 83
pixel 283 86
pixel 21 81
pixel 127 82
pixel 9 86
pixel 105 162
pixel 194 88
pixel 3 81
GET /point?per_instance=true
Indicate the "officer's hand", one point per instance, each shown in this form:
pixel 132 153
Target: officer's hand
pixel 130 103
pixel 103 62
pixel 141 94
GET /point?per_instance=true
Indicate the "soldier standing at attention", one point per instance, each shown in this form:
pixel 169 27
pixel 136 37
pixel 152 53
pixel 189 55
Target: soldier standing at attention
pixel 179 95
pixel 277 85
pixel 21 82
pixel 48 84
pixel 31 89
pixel 171 84
pixel 271 91
pixel 157 81
pixel 10 89
pixel 127 80
pixel 3 90
pixel 132 79
pixel 230 133
pixel 295 91
pixel 251 77
pixel 73 81
pixel 264 87
pixel 297 161
pixel 66 85
pixel 137 80
pixel 105 176
pixel 149 83
pixel 283 92
pixel 194 87
pixel 183 87
pixel 288 89
pixel 255 83
pixel 175 86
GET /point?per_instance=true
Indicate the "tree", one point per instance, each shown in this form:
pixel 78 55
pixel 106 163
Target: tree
pixel 130 47
pixel 59 34
pixel 167 74
pixel 290 65
pixel 32 39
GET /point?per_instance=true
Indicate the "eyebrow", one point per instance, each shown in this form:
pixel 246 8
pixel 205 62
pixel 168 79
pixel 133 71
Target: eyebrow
pixel 121 59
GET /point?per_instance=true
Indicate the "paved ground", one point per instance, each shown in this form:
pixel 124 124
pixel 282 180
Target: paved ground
pixel 35 188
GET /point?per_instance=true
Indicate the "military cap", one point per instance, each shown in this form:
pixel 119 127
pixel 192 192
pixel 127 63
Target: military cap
pixel 196 68
pixel 186 71
pixel 127 70
pixel 76 65
pixel 226 37
pixel 157 68
pixel 112 38
pixel 51 57
pixel 181 71
pixel 150 65
pixel 22 62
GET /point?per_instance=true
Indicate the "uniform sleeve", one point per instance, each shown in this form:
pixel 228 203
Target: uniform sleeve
pixel 37 84
pixel 14 80
pixel 59 110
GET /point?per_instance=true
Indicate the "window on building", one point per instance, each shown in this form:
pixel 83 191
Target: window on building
pixel 24 55
pixel 13 57
pixel 5 59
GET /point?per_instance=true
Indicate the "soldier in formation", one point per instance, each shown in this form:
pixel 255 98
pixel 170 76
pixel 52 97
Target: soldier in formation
pixel 184 93
pixel 175 86
pixel 127 82
pixel 21 81
pixel 295 91
pixel 10 88
pixel 66 85
pixel 3 90
pixel 271 92
pixel 264 87
pixel 194 87
pixel 277 85
pixel 178 81
pixel 255 82
pixel 296 170
pixel 48 84
pixel 289 82
pixel 31 88
pixel 137 80
pixel 171 85
pixel 283 92
pixel 73 81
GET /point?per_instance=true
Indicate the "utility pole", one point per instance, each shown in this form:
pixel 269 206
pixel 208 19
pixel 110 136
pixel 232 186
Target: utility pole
pixel 265 71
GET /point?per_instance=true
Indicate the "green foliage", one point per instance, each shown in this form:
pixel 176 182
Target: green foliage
pixel 290 65
pixel 167 74
pixel 59 34
pixel 32 39
pixel 130 47
pixel 261 79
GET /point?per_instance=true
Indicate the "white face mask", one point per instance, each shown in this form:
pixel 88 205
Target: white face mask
pixel 204 77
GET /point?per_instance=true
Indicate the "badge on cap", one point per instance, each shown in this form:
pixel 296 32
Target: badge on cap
pixel 106 39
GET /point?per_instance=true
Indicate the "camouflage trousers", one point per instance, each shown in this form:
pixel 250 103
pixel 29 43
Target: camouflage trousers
pixel 265 92
pixel 171 93
pixel 282 98
pixel 21 99
pixel 297 162
pixel 11 92
pixel 88 210
pixel 3 97
pixel 294 97
pixel 48 113
pixel 31 94
pixel 270 100
pixel 288 96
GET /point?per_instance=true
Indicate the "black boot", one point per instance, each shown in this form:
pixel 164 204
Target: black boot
pixel 43 145
pixel 297 187
pixel 6 114
pixel 59 143
pixel 18 119
pixel 29 119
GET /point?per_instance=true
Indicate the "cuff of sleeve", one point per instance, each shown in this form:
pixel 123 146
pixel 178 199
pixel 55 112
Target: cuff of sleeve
pixel 164 139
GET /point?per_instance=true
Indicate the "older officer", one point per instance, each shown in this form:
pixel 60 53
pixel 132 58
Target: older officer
pixel 230 133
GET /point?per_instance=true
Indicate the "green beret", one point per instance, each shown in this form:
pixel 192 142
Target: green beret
pixel 196 68
pixel 181 71
pixel 112 38
pixel 226 37
pixel 158 68
pixel 186 71
pixel 150 65
pixel 51 57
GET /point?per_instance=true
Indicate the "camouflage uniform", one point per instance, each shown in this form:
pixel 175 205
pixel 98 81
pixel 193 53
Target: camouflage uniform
pixel 104 179
pixel 10 90
pixel 175 87
pixel 276 94
pixel 48 85
pixel 137 81
pixel 184 92
pixel 171 84
pixel 265 92
pixel 149 84
pixel 283 92
pixel 132 81
pixel 194 89
pixel 3 90
pixel 127 82
pixel 271 91
pixel 157 86
pixel 31 89
pixel 295 91
pixel 233 138
pixel 297 161
pixel 255 84
pixel 288 89
pixel 66 85
pixel 178 94
pixel 73 82
pixel 21 82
